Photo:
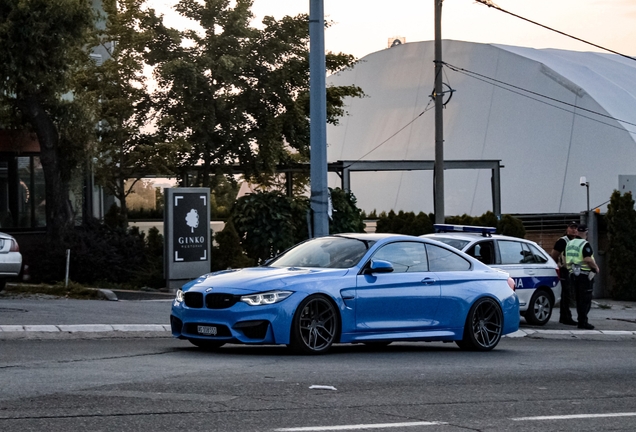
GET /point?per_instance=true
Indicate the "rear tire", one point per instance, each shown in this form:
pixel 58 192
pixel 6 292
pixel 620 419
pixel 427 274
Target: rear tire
pixel 3 283
pixel 539 309
pixel 484 326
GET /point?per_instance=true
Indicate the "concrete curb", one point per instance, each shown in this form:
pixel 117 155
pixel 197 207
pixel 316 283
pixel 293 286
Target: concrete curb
pixel 85 328
pixel 114 329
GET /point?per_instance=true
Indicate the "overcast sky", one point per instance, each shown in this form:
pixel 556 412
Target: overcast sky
pixel 364 26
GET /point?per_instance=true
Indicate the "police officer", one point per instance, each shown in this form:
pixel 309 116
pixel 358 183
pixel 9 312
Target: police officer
pixel 579 259
pixel 558 255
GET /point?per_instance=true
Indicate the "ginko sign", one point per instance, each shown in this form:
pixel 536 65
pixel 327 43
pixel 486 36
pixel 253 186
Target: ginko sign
pixel 191 227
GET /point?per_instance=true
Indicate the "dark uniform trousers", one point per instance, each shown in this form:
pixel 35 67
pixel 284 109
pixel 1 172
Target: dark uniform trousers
pixel 566 296
pixel 582 287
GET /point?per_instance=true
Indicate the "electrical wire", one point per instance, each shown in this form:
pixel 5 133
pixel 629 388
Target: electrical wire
pixel 492 81
pixel 490 4
pixel 428 108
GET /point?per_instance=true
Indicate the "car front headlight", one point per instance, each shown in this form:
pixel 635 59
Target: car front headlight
pixel 266 298
pixel 179 296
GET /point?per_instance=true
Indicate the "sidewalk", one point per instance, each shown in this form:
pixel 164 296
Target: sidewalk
pixel 148 316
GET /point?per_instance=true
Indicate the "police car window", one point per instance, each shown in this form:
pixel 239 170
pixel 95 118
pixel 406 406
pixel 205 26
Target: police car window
pixel 404 256
pixel 452 242
pixel 512 252
pixel 483 251
pixel 441 260
pixel 539 257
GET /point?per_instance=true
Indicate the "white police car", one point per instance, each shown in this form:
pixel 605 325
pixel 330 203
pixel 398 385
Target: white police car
pixel 535 273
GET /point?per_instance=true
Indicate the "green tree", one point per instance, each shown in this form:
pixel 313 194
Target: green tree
pixel 125 107
pixel 346 216
pixel 621 229
pixel 264 223
pixel 238 93
pixel 42 46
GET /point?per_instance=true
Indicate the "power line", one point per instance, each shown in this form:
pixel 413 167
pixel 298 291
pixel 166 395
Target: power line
pixel 490 80
pixel 394 134
pixel 490 4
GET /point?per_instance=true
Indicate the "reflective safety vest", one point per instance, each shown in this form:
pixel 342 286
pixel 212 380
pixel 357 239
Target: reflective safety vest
pixel 561 262
pixel 574 254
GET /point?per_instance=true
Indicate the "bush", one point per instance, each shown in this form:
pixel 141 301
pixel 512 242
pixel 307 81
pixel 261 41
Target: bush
pixel 263 222
pixel 410 224
pixel 346 216
pixel 101 253
pixel 507 225
pixel 227 253
pixel 404 223
pixel 97 252
pixel 268 223
pixel 150 274
pixel 621 229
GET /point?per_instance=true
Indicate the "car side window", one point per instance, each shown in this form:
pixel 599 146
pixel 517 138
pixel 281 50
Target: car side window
pixel 483 251
pixel 442 260
pixel 404 256
pixel 513 252
pixel 539 257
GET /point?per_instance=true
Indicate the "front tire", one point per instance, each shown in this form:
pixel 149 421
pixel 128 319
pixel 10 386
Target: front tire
pixel 540 309
pixel 315 326
pixel 484 326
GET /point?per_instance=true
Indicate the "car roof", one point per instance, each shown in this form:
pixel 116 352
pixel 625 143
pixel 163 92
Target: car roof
pixel 471 237
pixel 373 236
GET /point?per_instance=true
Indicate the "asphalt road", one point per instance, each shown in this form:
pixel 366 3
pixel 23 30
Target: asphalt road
pixel 161 384
pixel 608 316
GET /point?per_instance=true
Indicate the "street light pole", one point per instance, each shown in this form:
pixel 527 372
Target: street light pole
pixel 438 169
pixel 318 119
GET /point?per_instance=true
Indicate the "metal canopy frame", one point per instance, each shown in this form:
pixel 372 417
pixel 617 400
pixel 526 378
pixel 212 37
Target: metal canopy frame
pixel 345 168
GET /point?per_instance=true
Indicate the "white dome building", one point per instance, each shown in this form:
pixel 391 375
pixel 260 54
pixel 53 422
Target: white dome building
pixel 550 116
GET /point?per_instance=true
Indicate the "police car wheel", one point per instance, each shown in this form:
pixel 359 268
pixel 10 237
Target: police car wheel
pixel 539 309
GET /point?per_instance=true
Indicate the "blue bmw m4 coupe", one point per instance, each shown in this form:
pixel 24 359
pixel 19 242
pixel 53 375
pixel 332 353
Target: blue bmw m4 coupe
pixel 351 288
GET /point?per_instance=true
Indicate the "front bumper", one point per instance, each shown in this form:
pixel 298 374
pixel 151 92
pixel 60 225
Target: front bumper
pixel 240 323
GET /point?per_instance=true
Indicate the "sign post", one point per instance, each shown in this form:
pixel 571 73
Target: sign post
pixel 186 231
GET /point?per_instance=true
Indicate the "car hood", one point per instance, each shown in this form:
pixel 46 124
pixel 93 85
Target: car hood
pixel 258 279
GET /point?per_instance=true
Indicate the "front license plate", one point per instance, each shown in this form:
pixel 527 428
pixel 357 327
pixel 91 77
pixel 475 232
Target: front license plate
pixel 206 330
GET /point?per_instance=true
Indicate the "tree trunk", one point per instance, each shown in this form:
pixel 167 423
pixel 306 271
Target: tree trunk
pixel 59 211
pixel 123 208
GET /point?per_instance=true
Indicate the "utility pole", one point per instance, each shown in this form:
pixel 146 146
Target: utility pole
pixel 438 169
pixel 318 119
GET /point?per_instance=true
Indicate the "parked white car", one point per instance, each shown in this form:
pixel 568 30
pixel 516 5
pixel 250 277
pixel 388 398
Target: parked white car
pixel 10 258
pixel 535 273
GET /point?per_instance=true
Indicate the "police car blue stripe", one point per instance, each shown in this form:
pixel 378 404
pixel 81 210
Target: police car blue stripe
pixel 533 282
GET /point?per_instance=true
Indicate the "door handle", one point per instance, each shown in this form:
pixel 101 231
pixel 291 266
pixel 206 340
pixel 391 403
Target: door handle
pixel 428 281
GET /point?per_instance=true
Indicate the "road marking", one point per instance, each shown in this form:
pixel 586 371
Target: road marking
pixel 576 416
pixel 358 427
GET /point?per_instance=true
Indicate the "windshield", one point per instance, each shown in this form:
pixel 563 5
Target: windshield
pixel 452 242
pixel 324 252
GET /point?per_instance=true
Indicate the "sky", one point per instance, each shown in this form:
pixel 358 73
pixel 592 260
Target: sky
pixel 362 27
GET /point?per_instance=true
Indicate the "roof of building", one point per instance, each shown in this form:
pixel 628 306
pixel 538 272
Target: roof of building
pixel 550 116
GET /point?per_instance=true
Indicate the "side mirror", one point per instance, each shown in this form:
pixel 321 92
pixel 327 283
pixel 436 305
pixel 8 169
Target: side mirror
pixel 379 266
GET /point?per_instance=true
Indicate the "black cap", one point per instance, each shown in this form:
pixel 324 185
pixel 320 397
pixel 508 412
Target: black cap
pixel 573 224
pixel 582 228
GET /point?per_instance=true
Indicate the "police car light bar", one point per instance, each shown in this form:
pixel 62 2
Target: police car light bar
pixel 464 228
